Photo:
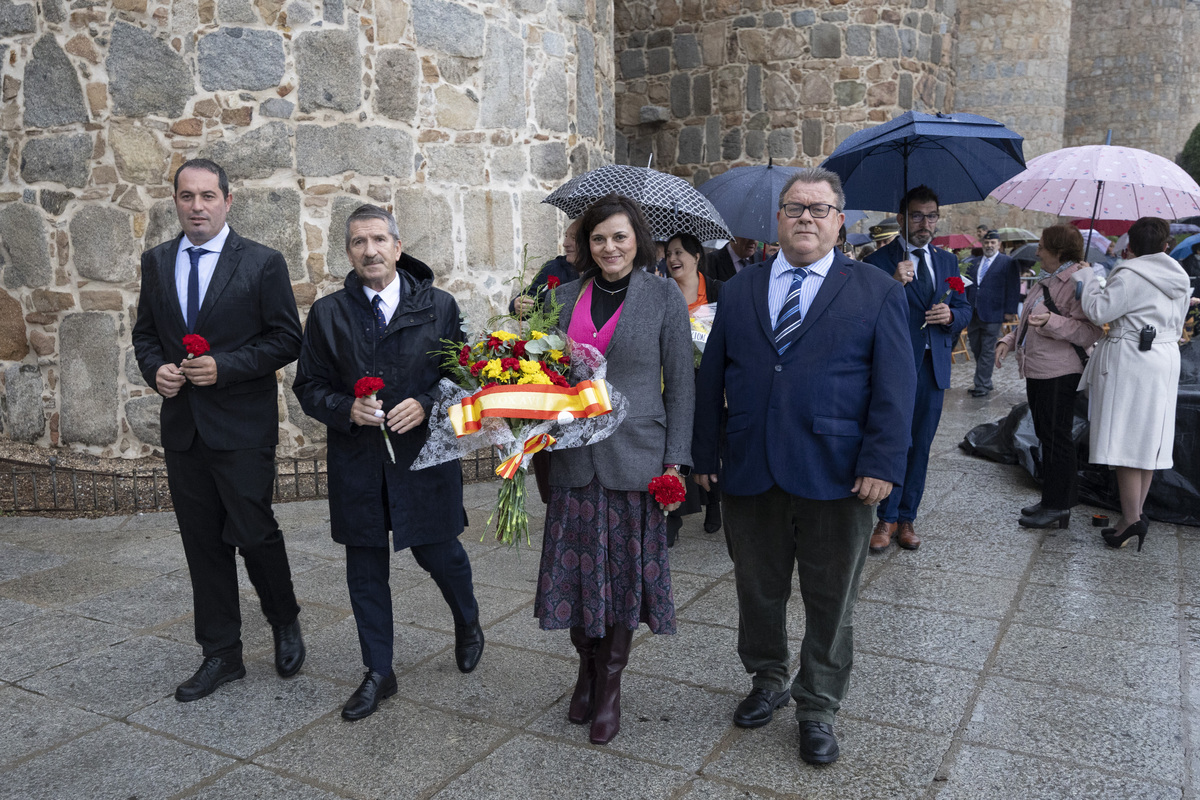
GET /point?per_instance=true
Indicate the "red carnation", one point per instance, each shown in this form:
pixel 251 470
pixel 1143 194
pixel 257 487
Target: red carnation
pixel 510 364
pixel 493 343
pixel 195 344
pixel 556 379
pixel 519 348
pixel 552 282
pixel 368 386
pixel 477 367
pixel 956 284
pixel 667 490
pixel 464 355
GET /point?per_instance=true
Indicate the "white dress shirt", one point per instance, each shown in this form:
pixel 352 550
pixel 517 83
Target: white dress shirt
pixel 208 265
pixel 389 301
pixel 780 283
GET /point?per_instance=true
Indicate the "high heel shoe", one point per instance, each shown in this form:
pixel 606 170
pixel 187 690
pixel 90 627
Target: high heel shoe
pixel 1138 529
pixel 1046 518
pixel 1111 531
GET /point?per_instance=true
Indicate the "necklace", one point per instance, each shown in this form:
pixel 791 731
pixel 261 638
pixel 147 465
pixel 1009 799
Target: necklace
pixel 609 291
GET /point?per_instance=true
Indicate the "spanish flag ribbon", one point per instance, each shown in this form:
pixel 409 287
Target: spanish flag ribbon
pixel 531 401
pixel 508 468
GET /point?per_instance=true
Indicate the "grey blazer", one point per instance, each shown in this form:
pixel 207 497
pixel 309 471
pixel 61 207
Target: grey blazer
pixel 650 362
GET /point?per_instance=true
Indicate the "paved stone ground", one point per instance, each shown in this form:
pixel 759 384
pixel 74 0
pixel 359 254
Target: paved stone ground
pixel 995 662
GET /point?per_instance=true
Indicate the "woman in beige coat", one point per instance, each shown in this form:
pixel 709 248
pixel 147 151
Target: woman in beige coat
pixel 1049 341
pixel 1133 376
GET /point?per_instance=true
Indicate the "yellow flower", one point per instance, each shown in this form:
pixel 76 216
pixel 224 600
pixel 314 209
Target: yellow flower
pixel 492 370
pixel 536 335
pixel 504 336
pixel 530 367
pixel 538 378
pixel 554 355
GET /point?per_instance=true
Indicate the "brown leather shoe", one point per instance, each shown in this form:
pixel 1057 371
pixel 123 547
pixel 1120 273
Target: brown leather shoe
pixel 906 537
pixel 882 536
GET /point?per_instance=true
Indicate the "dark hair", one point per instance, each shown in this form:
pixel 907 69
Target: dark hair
pixel 689 243
pixel 208 166
pixel 1149 235
pixel 842 235
pixel 816 175
pixel 368 211
pixel 608 206
pixel 1064 241
pixel 918 194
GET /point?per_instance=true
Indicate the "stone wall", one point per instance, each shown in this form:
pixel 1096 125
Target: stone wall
pixel 460 115
pixel 705 85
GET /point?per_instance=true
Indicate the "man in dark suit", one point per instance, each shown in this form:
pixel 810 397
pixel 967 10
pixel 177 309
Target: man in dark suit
pixel 811 351
pixel 220 420
pixel 385 322
pixel 723 264
pixel 935 319
pixel 994 293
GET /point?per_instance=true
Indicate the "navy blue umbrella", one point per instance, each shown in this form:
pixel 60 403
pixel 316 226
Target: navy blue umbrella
pixel 961 157
pixel 748 197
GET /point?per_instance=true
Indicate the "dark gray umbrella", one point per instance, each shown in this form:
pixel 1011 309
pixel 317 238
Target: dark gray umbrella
pixel 671 204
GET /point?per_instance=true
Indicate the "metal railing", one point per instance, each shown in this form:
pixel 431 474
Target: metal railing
pixel 34 488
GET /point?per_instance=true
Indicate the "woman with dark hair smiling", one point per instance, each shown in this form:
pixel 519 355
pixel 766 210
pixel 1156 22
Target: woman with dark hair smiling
pixel 684 254
pixel 604 567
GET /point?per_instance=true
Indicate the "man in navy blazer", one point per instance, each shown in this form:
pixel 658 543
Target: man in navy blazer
pixel 994 293
pixel 810 351
pixel 220 419
pixel 935 320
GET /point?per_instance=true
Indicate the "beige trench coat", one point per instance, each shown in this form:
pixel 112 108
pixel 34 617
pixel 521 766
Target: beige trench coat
pixel 1131 393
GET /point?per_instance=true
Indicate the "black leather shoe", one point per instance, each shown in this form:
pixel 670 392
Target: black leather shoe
pixel 375 687
pixel 979 393
pixel 712 518
pixel 759 707
pixel 212 673
pixel 818 745
pixel 1029 511
pixel 289 648
pixel 1047 518
pixel 468 645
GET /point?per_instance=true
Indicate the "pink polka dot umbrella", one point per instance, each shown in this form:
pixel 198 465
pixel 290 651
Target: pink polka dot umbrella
pixel 1103 182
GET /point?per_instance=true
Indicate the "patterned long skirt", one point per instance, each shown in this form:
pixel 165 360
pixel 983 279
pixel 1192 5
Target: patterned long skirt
pixel 604 562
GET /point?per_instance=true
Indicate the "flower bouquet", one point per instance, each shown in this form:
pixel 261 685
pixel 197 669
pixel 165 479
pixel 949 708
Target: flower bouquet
pixel 520 387
pixel 701 321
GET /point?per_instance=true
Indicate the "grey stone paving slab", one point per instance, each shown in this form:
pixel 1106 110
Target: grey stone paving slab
pixel 73 581
pixel 17 562
pixel 711 790
pixel 522 630
pixel 245 716
pixel 424 605
pixel 257 637
pixel 30 722
pixel 509 687
pixel 20 530
pixel 999 775
pixel 949 639
pixel 939 590
pixel 299 563
pixel 518 769
pixel 653 713
pixel 1140 739
pixel 314 540
pixel 14 611
pixel 1090 663
pixel 400 751
pixel 1121 572
pixel 876 762
pixel 48 640
pixel 115 762
pixel 1129 618
pixel 146 605
pixel 1079 540
pixel 701 555
pixel 704 655
pixel 85 542
pixel 995 556
pixel 719 606
pixel 334 652
pixel 685 586
pixel 255 782
pixel 120 679
pixel 890 690
pixel 507 569
pixel 162 555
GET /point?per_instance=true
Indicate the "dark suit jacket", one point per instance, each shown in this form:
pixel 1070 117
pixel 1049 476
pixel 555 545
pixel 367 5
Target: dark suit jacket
pixel 1000 291
pixel 836 406
pixel 719 264
pixel 249 319
pixel 941 337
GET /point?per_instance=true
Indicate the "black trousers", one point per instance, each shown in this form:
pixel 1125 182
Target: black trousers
pixel 222 502
pixel 371 597
pixel 1052 405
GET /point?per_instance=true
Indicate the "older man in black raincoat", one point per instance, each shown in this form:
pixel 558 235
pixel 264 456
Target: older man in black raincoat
pixel 385 322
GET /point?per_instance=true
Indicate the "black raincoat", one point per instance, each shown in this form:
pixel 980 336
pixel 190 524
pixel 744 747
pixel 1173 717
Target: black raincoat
pixel 368 495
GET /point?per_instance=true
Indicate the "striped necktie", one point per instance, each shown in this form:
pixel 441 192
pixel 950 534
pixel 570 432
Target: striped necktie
pixel 380 319
pixel 788 326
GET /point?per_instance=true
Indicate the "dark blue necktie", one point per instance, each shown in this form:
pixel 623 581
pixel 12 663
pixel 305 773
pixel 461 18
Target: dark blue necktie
pixel 788 325
pixel 193 289
pixel 924 282
pixel 380 319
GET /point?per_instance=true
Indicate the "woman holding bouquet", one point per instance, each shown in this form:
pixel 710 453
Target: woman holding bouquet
pixel 684 253
pixel 1050 340
pixel 604 567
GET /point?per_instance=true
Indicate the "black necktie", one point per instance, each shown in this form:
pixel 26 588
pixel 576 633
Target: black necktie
pixel 924 282
pixel 193 287
pixel 788 325
pixel 380 319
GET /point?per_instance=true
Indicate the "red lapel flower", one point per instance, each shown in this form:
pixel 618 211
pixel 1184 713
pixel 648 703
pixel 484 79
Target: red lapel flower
pixel 552 282
pixel 195 344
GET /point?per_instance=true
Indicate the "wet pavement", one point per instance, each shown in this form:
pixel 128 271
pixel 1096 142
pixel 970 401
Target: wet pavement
pixel 995 662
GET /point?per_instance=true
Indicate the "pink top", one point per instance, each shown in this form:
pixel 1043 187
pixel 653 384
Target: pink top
pixel 582 329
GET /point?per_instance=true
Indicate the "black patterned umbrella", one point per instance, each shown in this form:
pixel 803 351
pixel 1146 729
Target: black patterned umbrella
pixel 671 204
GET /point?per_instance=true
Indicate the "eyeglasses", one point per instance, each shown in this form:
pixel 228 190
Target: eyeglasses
pixel 918 217
pixel 817 210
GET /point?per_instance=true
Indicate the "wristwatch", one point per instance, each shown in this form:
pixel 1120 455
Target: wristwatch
pixel 683 469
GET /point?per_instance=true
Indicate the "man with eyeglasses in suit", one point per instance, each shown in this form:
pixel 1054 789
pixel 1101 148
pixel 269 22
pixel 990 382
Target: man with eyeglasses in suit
pixel 935 320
